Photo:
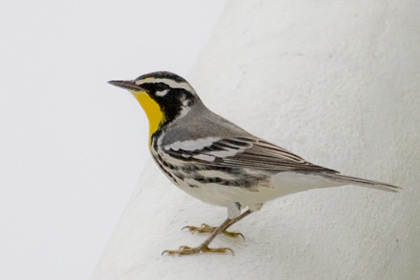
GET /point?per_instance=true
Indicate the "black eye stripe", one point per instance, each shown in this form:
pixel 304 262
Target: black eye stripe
pixel 161 86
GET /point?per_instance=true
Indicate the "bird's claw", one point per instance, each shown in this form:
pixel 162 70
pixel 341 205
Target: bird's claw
pixel 206 229
pixel 186 250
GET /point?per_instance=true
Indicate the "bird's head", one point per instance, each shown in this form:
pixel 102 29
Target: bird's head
pixel 164 97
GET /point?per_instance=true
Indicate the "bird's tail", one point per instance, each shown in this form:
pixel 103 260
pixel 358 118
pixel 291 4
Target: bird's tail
pixel 361 182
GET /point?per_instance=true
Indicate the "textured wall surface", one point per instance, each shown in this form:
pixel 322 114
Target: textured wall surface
pixel 337 82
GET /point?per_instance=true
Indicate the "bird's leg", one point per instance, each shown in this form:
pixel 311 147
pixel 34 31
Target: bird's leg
pixel 205 229
pixel 204 247
pixel 240 217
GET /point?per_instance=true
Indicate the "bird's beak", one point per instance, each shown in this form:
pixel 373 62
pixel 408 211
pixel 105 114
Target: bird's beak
pixel 130 85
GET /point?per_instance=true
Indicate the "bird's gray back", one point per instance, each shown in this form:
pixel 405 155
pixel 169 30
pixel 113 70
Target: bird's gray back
pixel 200 122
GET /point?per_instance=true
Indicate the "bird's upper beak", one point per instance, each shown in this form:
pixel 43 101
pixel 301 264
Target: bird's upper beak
pixel 130 85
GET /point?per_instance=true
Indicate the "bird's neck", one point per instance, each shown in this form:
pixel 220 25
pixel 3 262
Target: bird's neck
pixel 153 111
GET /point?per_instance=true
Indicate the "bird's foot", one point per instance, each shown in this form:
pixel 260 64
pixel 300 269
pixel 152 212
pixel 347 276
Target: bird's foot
pixel 206 229
pixel 185 250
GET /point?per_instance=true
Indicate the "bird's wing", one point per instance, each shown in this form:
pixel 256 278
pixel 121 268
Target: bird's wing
pixel 245 152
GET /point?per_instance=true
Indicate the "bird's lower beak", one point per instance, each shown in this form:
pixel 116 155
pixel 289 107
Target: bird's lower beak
pixel 130 85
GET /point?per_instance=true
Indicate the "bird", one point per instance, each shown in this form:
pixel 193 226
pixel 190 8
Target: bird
pixel 218 162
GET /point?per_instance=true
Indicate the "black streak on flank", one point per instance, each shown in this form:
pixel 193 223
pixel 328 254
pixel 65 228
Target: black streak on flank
pixel 189 168
pixel 180 176
pixel 166 172
pixel 220 181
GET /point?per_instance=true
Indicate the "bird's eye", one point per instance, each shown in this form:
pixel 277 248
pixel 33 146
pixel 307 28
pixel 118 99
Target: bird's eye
pixel 160 87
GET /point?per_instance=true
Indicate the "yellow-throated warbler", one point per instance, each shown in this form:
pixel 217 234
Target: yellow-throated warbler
pixel 218 162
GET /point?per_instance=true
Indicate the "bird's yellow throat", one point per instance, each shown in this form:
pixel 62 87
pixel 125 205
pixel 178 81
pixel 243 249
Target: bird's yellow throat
pixel 154 113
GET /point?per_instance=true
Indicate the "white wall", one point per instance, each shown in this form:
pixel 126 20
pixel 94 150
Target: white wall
pixel 338 83
pixel 72 146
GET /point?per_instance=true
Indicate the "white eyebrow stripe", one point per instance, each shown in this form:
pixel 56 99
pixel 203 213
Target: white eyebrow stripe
pixel 169 82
